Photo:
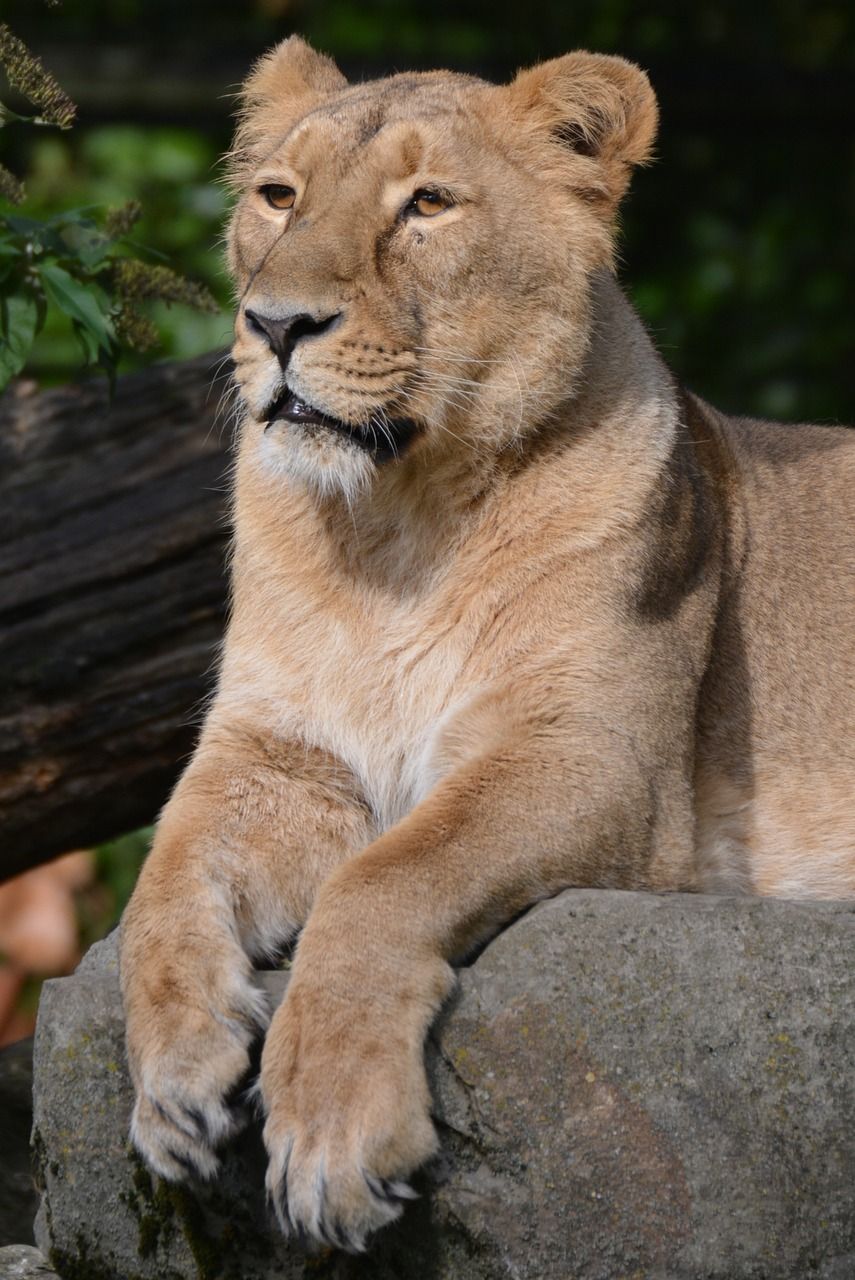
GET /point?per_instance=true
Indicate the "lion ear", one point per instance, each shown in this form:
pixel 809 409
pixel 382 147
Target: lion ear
pixel 285 83
pixel 600 109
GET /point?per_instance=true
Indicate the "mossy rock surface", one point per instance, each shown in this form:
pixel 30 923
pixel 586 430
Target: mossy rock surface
pixel 24 1262
pixel 653 1088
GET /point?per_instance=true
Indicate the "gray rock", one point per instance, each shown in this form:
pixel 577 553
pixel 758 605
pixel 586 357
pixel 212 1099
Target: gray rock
pixel 18 1196
pixel 23 1262
pixel 626 1086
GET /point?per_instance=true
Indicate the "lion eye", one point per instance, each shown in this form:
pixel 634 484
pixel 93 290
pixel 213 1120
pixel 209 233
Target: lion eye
pixel 428 203
pixel 278 197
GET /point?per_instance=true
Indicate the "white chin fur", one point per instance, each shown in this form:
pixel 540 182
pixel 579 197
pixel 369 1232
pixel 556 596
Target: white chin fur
pixel 317 461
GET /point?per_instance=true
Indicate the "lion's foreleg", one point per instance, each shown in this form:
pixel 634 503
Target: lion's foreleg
pixel 342 1074
pixel 240 850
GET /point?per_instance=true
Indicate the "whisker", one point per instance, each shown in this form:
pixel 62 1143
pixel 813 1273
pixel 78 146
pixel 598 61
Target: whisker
pixel 447 353
pixel 455 436
pixel 463 385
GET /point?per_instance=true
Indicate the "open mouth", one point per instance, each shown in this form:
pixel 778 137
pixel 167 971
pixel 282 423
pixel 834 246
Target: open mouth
pixel 383 438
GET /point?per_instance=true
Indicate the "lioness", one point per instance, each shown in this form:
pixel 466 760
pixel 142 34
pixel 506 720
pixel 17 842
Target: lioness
pixel 512 612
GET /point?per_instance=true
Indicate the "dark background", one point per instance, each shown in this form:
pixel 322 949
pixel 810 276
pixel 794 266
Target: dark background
pixel 737 243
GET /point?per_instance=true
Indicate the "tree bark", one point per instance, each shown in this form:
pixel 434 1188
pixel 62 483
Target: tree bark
pixel 113 528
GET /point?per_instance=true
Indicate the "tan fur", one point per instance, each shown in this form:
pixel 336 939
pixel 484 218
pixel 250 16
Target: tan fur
pixel 585 630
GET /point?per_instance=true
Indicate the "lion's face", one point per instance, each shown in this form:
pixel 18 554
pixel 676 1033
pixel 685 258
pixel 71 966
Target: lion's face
pixel 413 255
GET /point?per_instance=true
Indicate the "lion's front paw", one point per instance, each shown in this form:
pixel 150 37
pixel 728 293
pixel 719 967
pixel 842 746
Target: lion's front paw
pixel 348 1117
pixel 187 1064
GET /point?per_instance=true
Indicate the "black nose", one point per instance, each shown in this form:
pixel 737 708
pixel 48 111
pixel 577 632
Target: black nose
pixel 283 335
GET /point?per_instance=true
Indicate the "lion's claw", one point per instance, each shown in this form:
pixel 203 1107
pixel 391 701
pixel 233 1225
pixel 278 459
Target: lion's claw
pixel 393 1190
pixel 188 1079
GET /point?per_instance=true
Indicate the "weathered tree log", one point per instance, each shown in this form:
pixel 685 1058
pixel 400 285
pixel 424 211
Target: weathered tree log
pixel 112 596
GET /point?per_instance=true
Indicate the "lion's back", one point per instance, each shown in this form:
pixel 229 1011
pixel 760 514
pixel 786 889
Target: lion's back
pixel 776 756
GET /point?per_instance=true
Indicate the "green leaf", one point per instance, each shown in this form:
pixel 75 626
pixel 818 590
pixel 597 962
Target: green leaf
pixel 85 242
pixel 86 305
pixel 89 343
pixel 7 114
pixel 23 226
pixel 83 213
pixel 19 321
pixel 31 230
pixel 146 250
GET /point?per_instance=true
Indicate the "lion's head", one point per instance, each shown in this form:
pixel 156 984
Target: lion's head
pixel 413 255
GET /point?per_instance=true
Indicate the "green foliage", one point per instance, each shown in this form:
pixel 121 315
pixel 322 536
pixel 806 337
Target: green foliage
pixel 26 74
pixel 79 264
pixel 169 174
pixel 73 264
pixel 11 190
pixel 118 864
pixel 54 263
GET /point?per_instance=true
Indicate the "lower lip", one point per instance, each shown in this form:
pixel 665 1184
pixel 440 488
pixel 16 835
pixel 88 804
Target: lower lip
pixel 296 410
pixel 299 413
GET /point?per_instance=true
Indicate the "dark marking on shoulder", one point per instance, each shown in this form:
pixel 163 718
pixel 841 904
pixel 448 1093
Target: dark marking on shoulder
pixel 681 525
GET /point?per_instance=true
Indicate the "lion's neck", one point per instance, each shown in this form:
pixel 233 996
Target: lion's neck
pixel 623 373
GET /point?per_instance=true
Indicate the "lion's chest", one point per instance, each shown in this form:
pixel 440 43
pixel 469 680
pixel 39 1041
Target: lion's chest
pixel 374 690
